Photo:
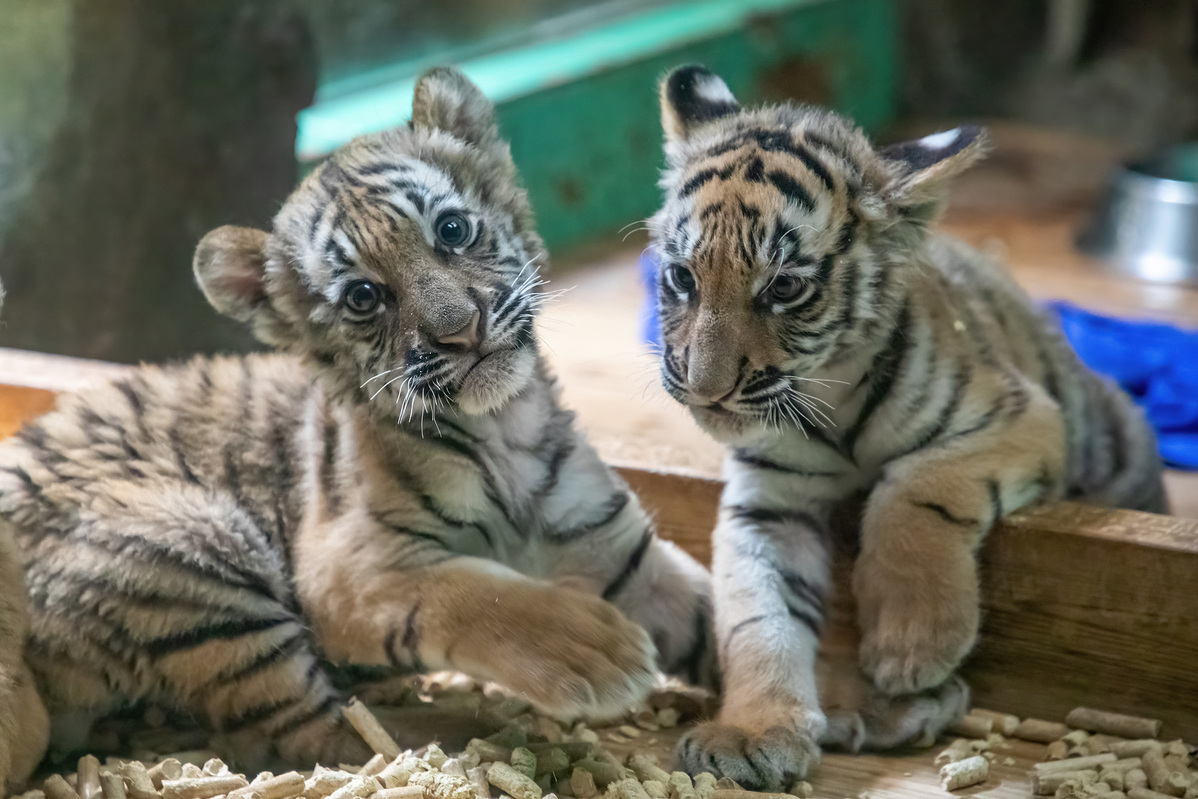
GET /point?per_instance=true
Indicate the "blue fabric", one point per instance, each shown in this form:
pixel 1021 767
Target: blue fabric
pixel 650 326
pixel 1157 364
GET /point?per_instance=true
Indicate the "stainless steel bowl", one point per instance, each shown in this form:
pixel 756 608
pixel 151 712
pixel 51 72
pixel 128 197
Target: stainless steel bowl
pixel 1147 224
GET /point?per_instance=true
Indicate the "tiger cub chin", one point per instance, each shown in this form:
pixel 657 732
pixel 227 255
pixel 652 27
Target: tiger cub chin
pixel 397 489
pixel 812 322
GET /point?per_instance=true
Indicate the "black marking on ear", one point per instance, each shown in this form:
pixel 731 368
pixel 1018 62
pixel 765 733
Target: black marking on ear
pixel 930 150
pixel 697 95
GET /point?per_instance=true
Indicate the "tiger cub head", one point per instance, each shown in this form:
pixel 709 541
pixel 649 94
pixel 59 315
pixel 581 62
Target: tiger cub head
pixel 783 242
pixel 404 267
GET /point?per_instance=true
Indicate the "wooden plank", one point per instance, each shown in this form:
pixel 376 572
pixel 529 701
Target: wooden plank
pixel 1081 605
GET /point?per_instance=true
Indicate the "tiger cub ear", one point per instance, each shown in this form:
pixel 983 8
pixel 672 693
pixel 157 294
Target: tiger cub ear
pixel 692 96
pixel 230 267
pixel 922 168
pixel 445 99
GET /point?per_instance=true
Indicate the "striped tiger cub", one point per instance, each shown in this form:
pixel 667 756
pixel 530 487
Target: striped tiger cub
pixel 396 489
pixel 813 323
pixel 24 726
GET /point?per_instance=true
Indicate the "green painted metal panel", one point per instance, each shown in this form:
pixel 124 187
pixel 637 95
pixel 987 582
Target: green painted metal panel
pixel 582 115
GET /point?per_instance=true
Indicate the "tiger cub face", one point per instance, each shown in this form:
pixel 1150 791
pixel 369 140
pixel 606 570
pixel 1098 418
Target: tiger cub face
pixel 404 267
pixel 782 243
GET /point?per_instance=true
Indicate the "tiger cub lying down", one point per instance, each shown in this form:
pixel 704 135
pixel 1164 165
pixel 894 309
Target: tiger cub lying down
pixel 24 726
pixel 397 488
pixel 812 322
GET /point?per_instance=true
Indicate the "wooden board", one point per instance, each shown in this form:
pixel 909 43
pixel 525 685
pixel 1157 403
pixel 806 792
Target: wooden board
pixel 1081 605
pixel 909 774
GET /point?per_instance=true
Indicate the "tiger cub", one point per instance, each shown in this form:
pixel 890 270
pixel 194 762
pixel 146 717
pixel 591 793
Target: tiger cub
pixel 398 488
pixel 24 726
pixel 814 324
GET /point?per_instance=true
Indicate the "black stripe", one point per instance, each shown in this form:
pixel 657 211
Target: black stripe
pixel 328 468
pixel 813 163
pixel 791 188
pixel 848 234
pixel 995 501
pixel 697 181
pixel 411 638
pixel 610 509
pixel 190 639
pixel 744 513
pixel 944 419
pixel 801 587
pixel 132 547
pixel 399 529
pixel 987 419
pixel 554 467
pixel 326 707
pixel 135 404
pixel 259 713
pixel 944 513
pixel 824 143
pixel 177 447
pixel 691 663
pixel 811 622
pixel 742 625
pixel 884 372
pixel 759 462
pixel 261 663
pixel 755 171
pixel 617 585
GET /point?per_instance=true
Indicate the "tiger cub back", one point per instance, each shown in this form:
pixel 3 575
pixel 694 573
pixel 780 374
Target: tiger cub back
pixel 397 488
pixel 813 322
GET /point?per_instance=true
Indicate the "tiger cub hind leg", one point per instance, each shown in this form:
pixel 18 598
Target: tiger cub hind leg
pixel 24 726
pixel 197 611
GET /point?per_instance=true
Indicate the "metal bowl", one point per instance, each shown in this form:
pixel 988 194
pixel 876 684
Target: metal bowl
pixel 1147 224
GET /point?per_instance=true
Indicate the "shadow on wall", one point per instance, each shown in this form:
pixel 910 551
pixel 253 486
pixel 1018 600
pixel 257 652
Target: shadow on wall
pixel 127 131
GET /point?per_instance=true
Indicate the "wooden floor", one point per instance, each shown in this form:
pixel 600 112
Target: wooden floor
pixel 900 775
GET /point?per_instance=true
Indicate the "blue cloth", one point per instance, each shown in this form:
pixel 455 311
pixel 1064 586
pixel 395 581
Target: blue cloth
pixel 1156 363
pixel 650 326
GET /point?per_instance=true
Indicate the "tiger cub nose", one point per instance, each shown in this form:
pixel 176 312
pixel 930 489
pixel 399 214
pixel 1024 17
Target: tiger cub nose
pixel 466 337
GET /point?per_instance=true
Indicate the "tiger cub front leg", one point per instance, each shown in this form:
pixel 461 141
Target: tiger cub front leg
pixel 567 652
pixel 770 576
pixel 916 577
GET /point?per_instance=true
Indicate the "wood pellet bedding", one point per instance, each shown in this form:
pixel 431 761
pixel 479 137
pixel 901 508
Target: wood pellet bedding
pixel 1092 755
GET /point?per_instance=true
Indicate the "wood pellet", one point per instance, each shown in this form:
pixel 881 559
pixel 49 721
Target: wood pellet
pixel 964 773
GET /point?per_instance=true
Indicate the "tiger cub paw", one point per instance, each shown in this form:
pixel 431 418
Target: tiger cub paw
pixel 575 655
pixel 770 760
pixel 910 647
pixel 888 722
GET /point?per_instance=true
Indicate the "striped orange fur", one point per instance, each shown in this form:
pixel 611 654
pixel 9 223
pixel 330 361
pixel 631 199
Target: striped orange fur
pixel 814 323
pixel 396 488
